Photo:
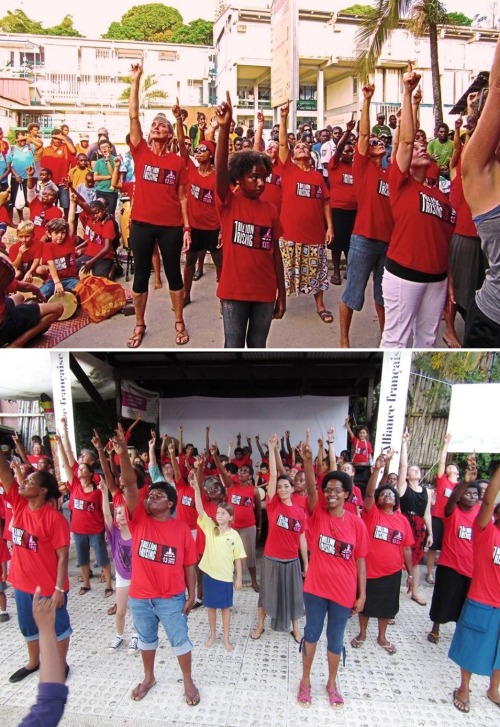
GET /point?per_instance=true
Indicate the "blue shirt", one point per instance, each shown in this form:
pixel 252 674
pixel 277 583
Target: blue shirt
pixel 21 157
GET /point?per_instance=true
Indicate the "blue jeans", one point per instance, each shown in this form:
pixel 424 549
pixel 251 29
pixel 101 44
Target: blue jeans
pixel 246 323
pixel 149 612
pixel 365 256
pixel 316 610
pixel 82 547
pixel 29 629
pixel 48 288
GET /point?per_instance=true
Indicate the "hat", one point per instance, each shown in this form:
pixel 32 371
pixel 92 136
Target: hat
pixel 84 136
pixel 102 131
pixel 210 146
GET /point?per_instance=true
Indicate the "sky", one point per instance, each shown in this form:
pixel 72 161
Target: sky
pixel 93 17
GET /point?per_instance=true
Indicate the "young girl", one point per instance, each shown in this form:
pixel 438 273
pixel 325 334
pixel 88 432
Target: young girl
pixel 120 541
pixel 223 551
pixel 361 447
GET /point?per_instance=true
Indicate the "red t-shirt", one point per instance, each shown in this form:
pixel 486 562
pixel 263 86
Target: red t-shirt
pixel 361 450
pixel 41 216
pixel 33 252
pixel 156 194
pixel 245 460
pixel 374 216
pixel 457 548
pixel 63 255
pixel 34 459
pixel 286 522
pixel 186 509
pixel 355 501
pixel 36 536
pixel 485 586
pixel 86 508
pixel 389 534
pixel 160 551
pixel 201 199
pixel 58 160
pixel 250 230
pixel 444 488
pixel 343 187
pixel 95 232
pixel 335 544
pixel 273 191
pixel 241 497
pixel 465 224
pixel 185 464
pixel 423 224
pixel 302 206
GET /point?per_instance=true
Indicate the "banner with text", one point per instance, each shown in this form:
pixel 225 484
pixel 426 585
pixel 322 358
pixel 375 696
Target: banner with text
pixel 473 418
pixel 136 400
pixel 284 21
pixel 61 393
pixel 392 402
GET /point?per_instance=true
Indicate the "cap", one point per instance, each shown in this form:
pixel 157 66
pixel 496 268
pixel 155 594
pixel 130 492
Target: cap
pixel 210 146
pixel 84 136
pixel 103 131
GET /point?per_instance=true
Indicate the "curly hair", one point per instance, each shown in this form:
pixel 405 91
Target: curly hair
pixel 242 162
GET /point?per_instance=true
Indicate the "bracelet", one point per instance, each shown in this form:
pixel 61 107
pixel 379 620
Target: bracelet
pixel 329 442
pixel 187 229
pixel 61 590
pixel 409 575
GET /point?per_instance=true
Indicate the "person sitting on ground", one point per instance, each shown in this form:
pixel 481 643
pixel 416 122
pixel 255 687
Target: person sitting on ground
pixel 26 254
pixel 59 254
pixel 96 253
pixel 42 205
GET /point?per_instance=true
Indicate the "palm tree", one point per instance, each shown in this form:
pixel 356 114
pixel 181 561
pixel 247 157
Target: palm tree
pixel 148 94
pixel 423 18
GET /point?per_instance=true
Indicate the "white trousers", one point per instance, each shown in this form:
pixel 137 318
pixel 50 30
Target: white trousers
pixel 411 308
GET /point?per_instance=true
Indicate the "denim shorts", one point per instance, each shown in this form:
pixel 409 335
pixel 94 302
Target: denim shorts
pixel 316 610
pixel 29 629
pixel 365 256
pixel 149 612
pixel 82 546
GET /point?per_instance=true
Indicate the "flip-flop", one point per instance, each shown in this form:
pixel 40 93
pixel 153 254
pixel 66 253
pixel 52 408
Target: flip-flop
pixel 429 579
pixel 297 641
pixel 357 643
pixel 390 648
pixel 433 638
pixel 108 592
pixel 181 336
pixel 256 638
pixel 83 590
pixel 192 699
pixel 335 698
pixel 140 692
pixel 304 695
pixel 492 700
pixel 325 315
pixel 420 601
pixel 335 279
pixel 460 704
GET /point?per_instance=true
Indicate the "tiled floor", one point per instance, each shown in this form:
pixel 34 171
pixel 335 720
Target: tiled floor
pixel 256 684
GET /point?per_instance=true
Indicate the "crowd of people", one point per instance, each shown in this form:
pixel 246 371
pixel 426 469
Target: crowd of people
pixel 402 210
pixel 182 523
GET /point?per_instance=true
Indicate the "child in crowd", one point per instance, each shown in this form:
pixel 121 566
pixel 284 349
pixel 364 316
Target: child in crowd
pixel 42 206
pixel 362 449
pixel 59 254
pixel 26 253
pixel 224 551
pixel 96 253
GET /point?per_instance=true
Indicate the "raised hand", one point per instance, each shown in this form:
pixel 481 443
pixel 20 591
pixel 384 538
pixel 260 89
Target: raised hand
pixel 136 71
pixel 176 109
pixel 285 110
pixel 350 124
pixel 417 97
pixel 96 440
pixel 224 112
pixel 368 90
pixel 410 78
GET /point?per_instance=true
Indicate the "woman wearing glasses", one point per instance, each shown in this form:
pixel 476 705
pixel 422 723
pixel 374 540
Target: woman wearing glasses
pixel 373 226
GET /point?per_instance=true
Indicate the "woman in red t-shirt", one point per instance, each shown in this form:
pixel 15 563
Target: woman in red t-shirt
pixel 281 577
pixel 475 642
pixel 390 548
pixel 343 199
pixel 336 578
pixel 159 213
pixel 307 221
pixel 272 191
pixel 251 286
pixel 415 279
pixel 361 448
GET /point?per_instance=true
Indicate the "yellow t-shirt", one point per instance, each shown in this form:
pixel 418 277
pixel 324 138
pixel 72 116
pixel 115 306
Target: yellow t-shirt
pixel 220 551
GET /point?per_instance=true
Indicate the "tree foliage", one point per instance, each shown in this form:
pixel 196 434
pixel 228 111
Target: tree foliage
pixel 148 94
pixel 458 19
pixel 153 22
pixel 197 32
pixel 358 10
pixel 16 21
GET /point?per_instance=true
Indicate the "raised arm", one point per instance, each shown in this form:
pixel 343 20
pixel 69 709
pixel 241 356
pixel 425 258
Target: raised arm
pixel 207 440
pixel 129 476
pixel 343 141
pixel 415 105
pixel 348 427
pixel 249 445
pixel 403 463
pixel 66 443
pixel 63 458
pixel 106 510
pixel 259 447
pixel 306 454
pixel 19 448
pixel 404 153
pixel 224 475
pixel 330 440
pixel 371 485
pixel 179 130
pixel 108 476
pixel 181 441
pixel 441 469
pixel 488 504
pixel 364 121
pixel 257 140
pixel 284 151
pixel 273 470
pixel 173 459
pixel 224 114
pixel 457 147
pixel 198 464
pixel 6 476
pixel 321 467
pixel 388 457
pixel 133 104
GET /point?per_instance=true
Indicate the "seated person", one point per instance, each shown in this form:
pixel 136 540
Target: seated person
pixel 96 253
pixel 59 254
pixel 20 321
pixel 26 253
pixel 42 206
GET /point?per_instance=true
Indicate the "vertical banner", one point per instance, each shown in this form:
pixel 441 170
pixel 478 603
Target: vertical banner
pixel 396 371
pixel 136 400
pixel 284 56
pixel 61 393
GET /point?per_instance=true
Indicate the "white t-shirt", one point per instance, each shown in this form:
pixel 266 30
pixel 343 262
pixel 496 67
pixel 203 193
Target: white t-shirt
pixel 327 151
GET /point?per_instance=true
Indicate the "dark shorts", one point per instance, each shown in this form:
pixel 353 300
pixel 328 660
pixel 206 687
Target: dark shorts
pixel 27 625
pixel 204 240
pixel 17 319
pixel 437 533
pixel 480 331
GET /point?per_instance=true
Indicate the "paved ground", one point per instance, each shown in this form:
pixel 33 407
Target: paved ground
pixel 254 686
pixel 300 328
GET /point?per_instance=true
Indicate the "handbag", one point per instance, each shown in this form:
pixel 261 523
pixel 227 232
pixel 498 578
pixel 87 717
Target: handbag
pixel 99 297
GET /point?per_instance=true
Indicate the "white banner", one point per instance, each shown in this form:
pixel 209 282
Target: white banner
pixel 284 21
pixel 263 416
pixel 136 400
pixel 392 402
pixel 61 393
pixel 473 420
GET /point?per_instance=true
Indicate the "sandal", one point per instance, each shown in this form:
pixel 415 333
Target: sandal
pixel 83 590
pixel 433 638
pixel 304 695
pixel 193 698
pixel 335 279
pixel 135 339
pixel 325 315
pixel 419 600
pixel 335 698
pixel 429 579
pixel 182 336
pixel 108 592
pixel 460 704
pixel 111 611
pixel 390 648
pixel 357 643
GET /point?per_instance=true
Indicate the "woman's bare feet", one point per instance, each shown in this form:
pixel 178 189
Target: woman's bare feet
pixel 228 645
pixel 210 641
